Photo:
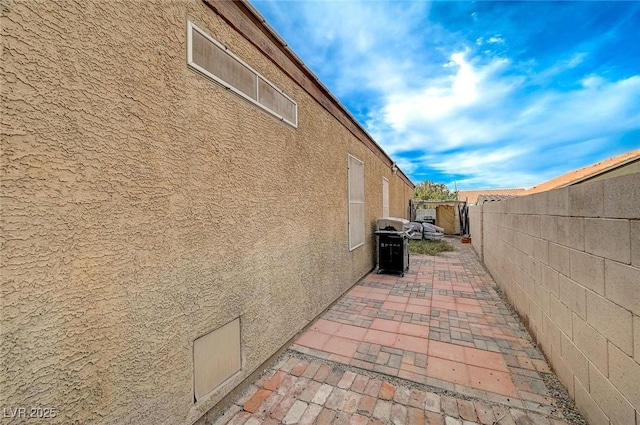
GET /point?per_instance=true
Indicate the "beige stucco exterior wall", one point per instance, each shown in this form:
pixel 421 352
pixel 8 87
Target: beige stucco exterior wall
pixel 569 262
pixel 144 205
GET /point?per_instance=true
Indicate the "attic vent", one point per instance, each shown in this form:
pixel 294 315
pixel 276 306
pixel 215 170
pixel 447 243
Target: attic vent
pixel 208 56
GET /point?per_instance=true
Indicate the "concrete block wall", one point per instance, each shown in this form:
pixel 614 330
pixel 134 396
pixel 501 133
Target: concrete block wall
pixel 569 262
pixel 475 227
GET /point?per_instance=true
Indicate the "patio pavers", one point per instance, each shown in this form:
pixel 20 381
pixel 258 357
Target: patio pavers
pixel 444 308
pixel 438 345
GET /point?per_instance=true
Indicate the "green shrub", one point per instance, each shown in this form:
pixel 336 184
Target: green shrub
pixel 428 247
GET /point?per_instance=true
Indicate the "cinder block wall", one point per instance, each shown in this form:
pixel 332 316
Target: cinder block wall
pixel 569 261
pixel 476 229
pixel 145 206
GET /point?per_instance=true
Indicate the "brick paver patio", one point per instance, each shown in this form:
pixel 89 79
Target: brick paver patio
pixel 437 346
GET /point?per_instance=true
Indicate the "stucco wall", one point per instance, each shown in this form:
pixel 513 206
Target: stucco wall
pixel 144 205
pixel 569 261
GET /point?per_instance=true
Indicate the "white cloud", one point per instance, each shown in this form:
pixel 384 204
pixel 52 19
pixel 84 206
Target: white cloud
pixel 478 106
pixel 491 167
pixel 435 104
pixel 439 99
pixel 574 61
pixel 444 111
pixel 561 66
pixel 595 109
pixel 407 166
pixel 504 130
pixel 347 39
pixel 496 39
pixel 592 81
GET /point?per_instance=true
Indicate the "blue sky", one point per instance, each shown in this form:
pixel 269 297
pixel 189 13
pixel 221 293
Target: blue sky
pixel 484 94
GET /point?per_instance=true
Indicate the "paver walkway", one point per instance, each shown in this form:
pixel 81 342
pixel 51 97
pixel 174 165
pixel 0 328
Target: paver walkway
pixel 437 346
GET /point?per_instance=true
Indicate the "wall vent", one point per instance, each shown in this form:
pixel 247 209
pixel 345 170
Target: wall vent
pixel 211 58
pixel 216 357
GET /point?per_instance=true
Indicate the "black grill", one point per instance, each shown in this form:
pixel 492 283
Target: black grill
pixel 393 251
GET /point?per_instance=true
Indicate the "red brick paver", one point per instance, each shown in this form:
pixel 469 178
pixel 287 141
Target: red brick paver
pixel 437 346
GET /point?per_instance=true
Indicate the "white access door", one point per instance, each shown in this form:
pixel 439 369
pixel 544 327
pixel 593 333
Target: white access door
pixel 385 197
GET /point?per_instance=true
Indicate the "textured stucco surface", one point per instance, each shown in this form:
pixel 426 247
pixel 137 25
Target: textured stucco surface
pixel 144 205
pixel 567 260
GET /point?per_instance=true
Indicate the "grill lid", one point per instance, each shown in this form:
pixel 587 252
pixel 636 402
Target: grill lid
pixel 398 224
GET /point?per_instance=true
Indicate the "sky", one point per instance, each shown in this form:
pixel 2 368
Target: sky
pixel 477 94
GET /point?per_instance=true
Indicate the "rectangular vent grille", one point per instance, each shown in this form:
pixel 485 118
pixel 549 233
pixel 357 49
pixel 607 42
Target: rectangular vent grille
pixel 216 357
pixel 214 60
